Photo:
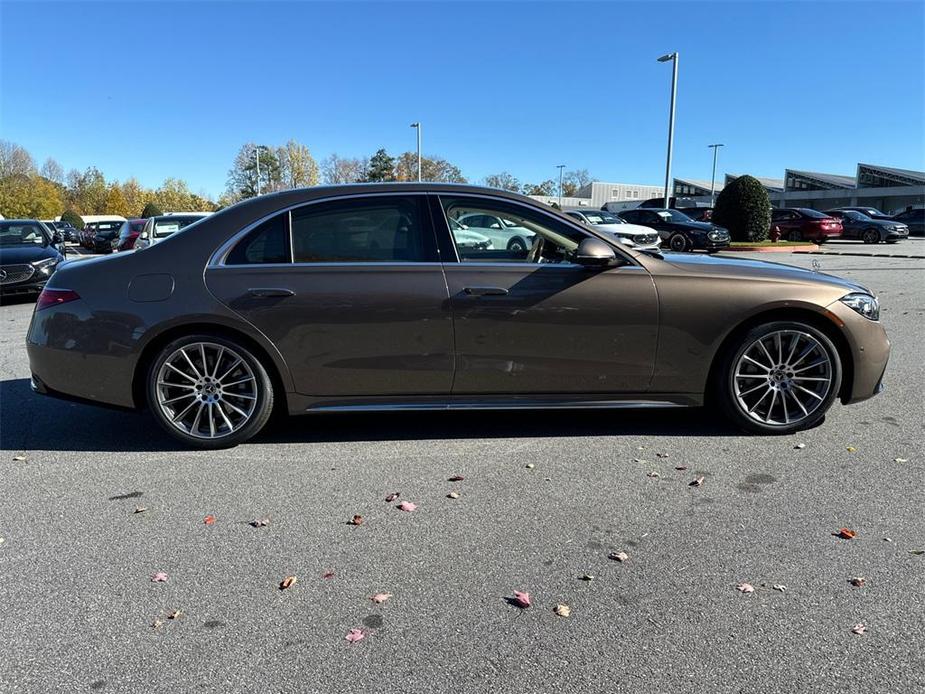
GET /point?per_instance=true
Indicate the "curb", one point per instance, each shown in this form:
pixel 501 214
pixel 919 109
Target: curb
pixel 863 255
pixel 809 248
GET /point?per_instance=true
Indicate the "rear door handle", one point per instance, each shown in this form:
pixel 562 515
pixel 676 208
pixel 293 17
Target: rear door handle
pixel 485 291
pixel 268 292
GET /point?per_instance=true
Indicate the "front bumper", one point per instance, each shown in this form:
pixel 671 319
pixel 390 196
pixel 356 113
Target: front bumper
pixel 870 352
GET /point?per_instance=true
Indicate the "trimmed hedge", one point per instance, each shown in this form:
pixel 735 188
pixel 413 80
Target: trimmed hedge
pixel 743 207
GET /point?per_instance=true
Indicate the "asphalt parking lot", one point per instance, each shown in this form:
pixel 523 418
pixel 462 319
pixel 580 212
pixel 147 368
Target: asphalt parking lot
pixel 545 499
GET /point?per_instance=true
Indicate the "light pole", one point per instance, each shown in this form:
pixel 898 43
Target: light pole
pixel 560 167
pixel 417 126
pixel 673 57
pixel 715 149
pixel 257 157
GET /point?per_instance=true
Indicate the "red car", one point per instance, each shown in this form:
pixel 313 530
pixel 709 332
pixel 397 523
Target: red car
pixel 128 235
pixel 804 224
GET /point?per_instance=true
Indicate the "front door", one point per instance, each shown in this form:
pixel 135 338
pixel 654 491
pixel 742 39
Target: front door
pixel 354 297
pixel 533 322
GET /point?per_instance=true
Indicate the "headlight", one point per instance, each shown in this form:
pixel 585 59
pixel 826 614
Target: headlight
pixel 45 264
pixel 865 304
pixel 718 235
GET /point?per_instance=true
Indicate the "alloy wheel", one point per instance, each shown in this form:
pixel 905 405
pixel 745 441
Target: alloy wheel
pixel 871 236
pixel 678 243
pixel 783 377
pixel 206 390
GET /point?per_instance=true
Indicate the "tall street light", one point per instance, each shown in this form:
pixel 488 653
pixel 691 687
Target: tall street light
pixel 417 126
pixel 673 57
pixel 560 167
pixel 715 149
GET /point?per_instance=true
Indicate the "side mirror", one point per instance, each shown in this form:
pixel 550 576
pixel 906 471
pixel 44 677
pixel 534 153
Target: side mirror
pixel 595 253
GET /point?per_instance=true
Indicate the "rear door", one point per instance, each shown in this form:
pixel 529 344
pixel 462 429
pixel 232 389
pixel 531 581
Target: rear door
pixel 352 293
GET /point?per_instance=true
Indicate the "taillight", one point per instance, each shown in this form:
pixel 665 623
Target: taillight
pixel 55 297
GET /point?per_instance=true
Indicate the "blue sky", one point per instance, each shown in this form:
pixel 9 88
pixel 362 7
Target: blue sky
pixel 156 89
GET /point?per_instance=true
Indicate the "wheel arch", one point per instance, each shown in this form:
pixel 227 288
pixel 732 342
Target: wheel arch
pixel 154 345
pixel 807 315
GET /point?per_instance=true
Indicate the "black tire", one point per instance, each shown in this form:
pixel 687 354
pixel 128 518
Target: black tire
pixel 263 391
pixel 517 245
pixel 871 236
pixel 724 386
pixel 678 243
pixel 795 235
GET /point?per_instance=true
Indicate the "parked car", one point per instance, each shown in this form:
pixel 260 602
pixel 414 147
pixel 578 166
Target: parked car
pixel 632 235
pixel 106 234
pixel 128 234
pixel 158 228
pixel 87 234
pixel 28 256
pixel 503 233
pixel 856 225
pixel 914 219
pixel 804 224
pixel 678 231
pixel 871 212
pixel 466 238
pixel 356 297
pixel 698 214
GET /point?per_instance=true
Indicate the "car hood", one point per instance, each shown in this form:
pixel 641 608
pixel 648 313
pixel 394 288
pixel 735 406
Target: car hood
pixel 756 270
pixel 626 229
pixel 16 255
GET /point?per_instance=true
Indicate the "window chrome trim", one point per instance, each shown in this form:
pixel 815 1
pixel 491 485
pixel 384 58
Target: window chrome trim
pixel 217 259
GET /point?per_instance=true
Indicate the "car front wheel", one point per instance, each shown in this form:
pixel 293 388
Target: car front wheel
pixel 209 392
pixel 871 236
pixel 780 378
pixel 677 243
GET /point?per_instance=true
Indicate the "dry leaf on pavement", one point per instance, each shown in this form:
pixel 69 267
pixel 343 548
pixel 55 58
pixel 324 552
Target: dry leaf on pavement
pixel 619 556
pixel 697 482
pixel 562 610
pixel 859 629
pixel 529 466
pixel 356 520
pixel 19 458
pixel 851 449
pixel 453 495
pixel 141 509
pixel 209 520
pixel 799 447
pixel 661 455
pixel 260 522
pixel 159 577
pixel 406 506
pixel 391 497
pixel 586 577
pixel 456 478
pixel 355 635
pixel 745 588
pixel 653 474
pixel 857 581
pixel 287 582
pixel 327 574
pixel 917 552
pixel 522 600
pixel 845 534
pixel 680 467
pixel 156 623
pixel 779 587
pixel 900 460
pixel 380 597
pixel 176 614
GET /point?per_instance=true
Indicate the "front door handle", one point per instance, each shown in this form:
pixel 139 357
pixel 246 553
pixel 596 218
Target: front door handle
pixel 485 291
pixel 268 292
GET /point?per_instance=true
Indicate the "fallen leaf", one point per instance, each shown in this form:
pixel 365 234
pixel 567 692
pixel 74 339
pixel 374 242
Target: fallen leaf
pixel 661 455
pixel 639 460
pixel 260 522
pixel 287 582
pixel 799 447
pixel 391 497
pixel 159 577
pixel 851 449
pixel 356 520
pixel 176 614
pixel 653 474
pixel 327 574
pixel 19 458
pixel 917 552
pixel 697 482
pixel 586 577
pixel 619 556
pixel 156 623
pixel 355 635
pixel 680 467
pixel 562 610
pixel 845 534
pixel 746 588
pixel 406 506
pixel 380 597
pixel 141 509
pixel 522 600
pixel 779 587
pixel 456 478
pixel 900 460
pixel 529 466
pixel 209 520
pixel 888 539
pixel 857 581
pixel 453 495
pixel 859 629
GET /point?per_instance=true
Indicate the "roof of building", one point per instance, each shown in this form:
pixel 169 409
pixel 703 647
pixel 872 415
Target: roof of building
pixel 918 176
pixel 834 180
pixel 700 183
pixel 776 184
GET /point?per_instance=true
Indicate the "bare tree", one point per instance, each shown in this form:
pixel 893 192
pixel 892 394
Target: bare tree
pixel 15 160
pixel 336 169
pixel 573 181
pixel 504 181
pixel 52 171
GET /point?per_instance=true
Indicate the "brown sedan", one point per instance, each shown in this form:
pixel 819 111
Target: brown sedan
pixel 378 297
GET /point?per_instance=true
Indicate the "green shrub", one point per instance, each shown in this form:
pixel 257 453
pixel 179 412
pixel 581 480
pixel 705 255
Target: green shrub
pixel 72 218
pixel 151 210
pixel 743 207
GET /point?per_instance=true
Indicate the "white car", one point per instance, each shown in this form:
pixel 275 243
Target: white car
pixel 160 227
pixel 632 235
pixel 503 233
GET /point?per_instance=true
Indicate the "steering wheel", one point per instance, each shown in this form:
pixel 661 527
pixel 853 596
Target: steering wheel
pixel 536 250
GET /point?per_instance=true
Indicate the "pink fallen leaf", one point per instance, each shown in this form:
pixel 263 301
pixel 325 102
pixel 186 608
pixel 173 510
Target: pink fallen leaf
pixel 619 556
pixel 859 629
pixel 407 506
pixel 845 534
pixel 355 635
pixel 159 577
pixel 391 497
pixel 380 597
pixel 456 478
pixel 522 600
pixel 209 520
pixel 327 574
pixel 857 581
pixel 287 582
pixel 745 588
pixel 356 520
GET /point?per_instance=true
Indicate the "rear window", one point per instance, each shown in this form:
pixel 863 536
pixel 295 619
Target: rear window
pixel 806 212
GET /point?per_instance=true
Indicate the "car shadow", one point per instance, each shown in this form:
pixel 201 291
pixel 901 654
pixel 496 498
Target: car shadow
pixel 29 421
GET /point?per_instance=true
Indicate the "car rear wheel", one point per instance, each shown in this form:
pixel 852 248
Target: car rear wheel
pixel 209 392
pixel 677 243
pixel 796 235
pixel 871 236
pixel 780 378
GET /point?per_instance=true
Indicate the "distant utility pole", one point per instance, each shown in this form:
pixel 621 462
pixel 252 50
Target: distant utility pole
pixel 715 149
pixel 257 157
pixel 560 167
pixel 673 57
pixel 417 126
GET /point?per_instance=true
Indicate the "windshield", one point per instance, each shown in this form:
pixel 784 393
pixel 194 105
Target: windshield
pixel 673 216
pixel 22 234
pixel 602 218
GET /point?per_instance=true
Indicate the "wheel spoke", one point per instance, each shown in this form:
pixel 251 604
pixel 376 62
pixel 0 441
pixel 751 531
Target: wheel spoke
pixel 793 345
pixel 771 407
pixel 810 378
pixel 211 417
pixel 766 352
pixel 182 373
pixel 758 364
pixel 805 353
pixel 190 362
pixel 194 428
pixel 805 390
pixel 752 390
pixel 235 383
pixel 811 366
pixel 760 400
pixel 797 401
pixel 218 360
pixel 232 368
pixel 179 397
pixel 239 395
pixel 187 409
pixel 783 401
pixel 780 349
pixel 225 417
pixel 236 409
pixel 167 384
